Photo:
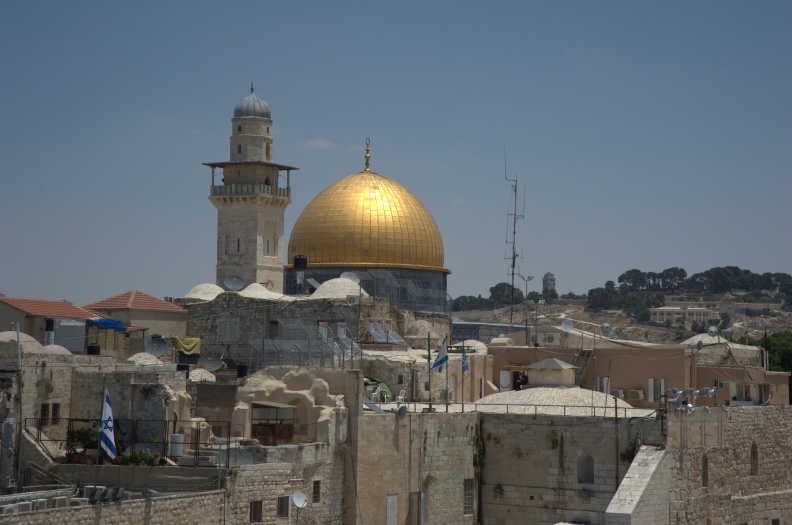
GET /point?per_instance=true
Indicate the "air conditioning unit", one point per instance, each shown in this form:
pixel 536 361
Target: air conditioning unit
pixel 551 338
pixel 617 393
pixel 353 299
pixel 636 395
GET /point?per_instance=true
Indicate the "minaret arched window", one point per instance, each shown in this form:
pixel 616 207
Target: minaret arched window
pixel 239 148
pixel 266 182
pixel 239 129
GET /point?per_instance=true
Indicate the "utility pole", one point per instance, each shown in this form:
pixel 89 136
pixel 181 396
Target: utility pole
pixel 512 241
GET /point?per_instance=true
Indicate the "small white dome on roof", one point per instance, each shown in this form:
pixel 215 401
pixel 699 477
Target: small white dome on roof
pixel 27 343
pixel 51 350
pixel 338 289
pixel 259 291
pixel 202 375
pixel 144 358
pixel 204 292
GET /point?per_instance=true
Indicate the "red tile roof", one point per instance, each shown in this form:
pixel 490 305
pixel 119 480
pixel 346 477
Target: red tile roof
pixel 134 300
pixel 48 308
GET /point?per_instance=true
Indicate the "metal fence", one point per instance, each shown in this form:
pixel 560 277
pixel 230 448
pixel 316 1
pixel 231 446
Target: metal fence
pixel 510 408
pixel 201 443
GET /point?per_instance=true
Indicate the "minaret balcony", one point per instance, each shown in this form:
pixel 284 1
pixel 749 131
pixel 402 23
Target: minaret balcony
pixel 249 189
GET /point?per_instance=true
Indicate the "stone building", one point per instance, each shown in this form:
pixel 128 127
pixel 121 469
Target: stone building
pixel 639 372
pixel 48 322
pixel 718 467
pixel 251 199
pixel 142 311
pixel 548 282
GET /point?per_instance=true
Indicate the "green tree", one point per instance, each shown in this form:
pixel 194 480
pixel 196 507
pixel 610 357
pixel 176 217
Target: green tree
pixel 501 293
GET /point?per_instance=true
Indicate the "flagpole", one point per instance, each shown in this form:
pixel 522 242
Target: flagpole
pixel 463 376
pixel 448 365
pixel 99 441
pixel 429 366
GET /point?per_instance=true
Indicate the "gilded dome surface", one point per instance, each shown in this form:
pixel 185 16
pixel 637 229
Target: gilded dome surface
pixel 367 220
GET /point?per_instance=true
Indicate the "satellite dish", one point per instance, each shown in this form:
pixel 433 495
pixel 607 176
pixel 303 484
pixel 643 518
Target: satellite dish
pixel 210 362
pixel 712 330
pixel 299 499
pixel 605 328
pixel 566 326
pixel 352 276
pixel 234 282
pixel 728 332
pixel 676 402
pixel 400 412
pixel 157 346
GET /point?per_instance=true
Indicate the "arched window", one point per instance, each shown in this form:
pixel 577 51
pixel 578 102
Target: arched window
pixel 266 182
pixel 239 129
pixel 754 460
pixel 704 471
pixel 268 151
pixel 585 469
pixel 239 148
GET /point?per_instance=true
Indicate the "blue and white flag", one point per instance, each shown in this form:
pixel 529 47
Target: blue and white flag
pixel 442 357
pixel 465 366
pixel 107 440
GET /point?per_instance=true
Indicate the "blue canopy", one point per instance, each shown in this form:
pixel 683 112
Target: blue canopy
pixel 112 324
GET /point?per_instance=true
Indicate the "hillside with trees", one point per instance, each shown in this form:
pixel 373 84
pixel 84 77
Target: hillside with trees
pixel 638 290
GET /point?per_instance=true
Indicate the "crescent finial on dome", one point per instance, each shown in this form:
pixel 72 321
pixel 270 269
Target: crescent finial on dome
pixel 251 87
pixel 368 155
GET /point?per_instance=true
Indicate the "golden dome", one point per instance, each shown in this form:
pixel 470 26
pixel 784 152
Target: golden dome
pixel 367 220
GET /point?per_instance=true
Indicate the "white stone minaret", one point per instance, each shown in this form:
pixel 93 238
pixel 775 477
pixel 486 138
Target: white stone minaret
pixel 251 199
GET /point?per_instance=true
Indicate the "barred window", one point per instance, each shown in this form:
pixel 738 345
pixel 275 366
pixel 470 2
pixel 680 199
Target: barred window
pixel 467 502
pixel 44 414
pixel 255 511
pixel 283 507
pixel 317 491
pixel 55 413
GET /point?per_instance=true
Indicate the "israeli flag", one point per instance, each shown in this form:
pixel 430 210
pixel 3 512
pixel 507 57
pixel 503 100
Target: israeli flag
pixel 107 440
pixel 442 357
pixel 465 366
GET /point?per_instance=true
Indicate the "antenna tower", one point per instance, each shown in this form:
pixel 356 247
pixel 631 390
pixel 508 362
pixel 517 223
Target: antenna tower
pixel 511 241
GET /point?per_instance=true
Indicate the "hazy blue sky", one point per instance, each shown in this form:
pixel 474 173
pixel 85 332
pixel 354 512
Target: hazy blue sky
pixel 645 134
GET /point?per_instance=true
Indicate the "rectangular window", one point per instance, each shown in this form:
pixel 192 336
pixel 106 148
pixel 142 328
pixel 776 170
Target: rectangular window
pixel 228 330
pixel 717 384
pixel 415 508
pixel 392 509
pixel 317 491
pixel 655 390
pixel 603 384
pixel 55 413
pixel 255 512
pixel 467 499
pixel 44 414
pixel 283 506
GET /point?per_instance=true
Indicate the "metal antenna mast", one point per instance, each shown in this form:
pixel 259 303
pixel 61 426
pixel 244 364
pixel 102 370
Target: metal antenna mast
pixel 513 240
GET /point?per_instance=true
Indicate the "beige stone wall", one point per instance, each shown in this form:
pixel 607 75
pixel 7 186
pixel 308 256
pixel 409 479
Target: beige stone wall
pixel 733 493
pixel 425 454
pixel 206 507
pixel 643 493
pixel 412 370
pixel 530 472
pixel 267 482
